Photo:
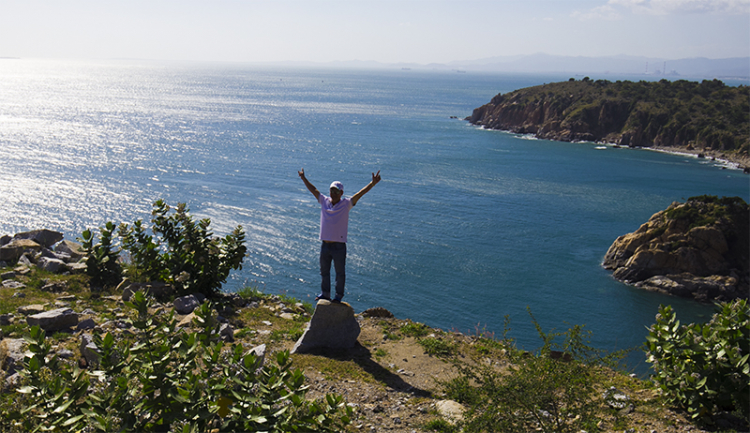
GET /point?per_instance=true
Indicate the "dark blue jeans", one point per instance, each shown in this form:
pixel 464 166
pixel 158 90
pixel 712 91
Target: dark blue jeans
pixel 335 252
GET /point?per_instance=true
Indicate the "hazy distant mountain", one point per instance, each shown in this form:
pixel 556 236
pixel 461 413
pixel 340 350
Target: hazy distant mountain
pixel 695 67
pixel 738 67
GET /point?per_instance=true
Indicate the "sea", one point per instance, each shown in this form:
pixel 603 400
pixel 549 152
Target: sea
pixel 468 226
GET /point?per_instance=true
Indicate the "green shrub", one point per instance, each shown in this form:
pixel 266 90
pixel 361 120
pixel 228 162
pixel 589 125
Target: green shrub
pixel 437 346
pixel 703 368
pixel 101 257
pixel 167 380
pixel 537 393
pixel 415 329
pixel 183 252
pixel 440 425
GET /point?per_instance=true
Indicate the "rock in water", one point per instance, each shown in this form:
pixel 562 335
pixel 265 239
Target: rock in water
pixel 332 326
pixel 696 249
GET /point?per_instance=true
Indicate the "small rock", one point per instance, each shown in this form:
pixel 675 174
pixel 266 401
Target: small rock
pixel 11 284
pixel 226 332
pixel 450 410
pixel 54 320
pixel 88 349
pixel 27 310
pixel 86 324
pixel 615 398
pixel 8 275
pixel 6 319
pixel 186 304
pixel 65 354
pixel 51 265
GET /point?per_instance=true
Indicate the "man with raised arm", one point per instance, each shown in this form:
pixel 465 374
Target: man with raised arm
pixel 334 224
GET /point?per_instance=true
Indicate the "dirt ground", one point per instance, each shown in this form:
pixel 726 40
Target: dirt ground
pixel 399 391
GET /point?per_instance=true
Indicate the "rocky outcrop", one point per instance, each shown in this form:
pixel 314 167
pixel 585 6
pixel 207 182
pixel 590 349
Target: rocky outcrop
pixel 699 249
pixel 45 249
pixel 332 326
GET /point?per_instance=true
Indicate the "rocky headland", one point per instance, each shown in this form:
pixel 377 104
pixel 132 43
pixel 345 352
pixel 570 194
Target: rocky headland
pixel 708 119
pixel 699 249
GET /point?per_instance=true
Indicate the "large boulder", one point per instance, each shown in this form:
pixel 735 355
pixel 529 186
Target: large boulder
pixel 73 249
pixel 332 326
pixel 51 265
pixel 54 320
pixel 44 237
pixel 14 249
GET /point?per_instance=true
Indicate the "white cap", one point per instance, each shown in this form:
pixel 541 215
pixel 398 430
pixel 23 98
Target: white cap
pixel 338 185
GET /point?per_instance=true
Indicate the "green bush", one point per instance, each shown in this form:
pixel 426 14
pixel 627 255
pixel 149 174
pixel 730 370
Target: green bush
pixel 183 252
pixel 703 368
pixel 538 392
pixel 167 380
pixel 415 329
pixel 101 257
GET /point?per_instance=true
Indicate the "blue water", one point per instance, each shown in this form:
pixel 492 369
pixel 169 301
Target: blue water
pixel 467 226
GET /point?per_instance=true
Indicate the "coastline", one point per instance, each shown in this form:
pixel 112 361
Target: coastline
pixel 731 161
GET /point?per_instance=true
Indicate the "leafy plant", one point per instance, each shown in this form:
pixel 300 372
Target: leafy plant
pixel 182 251
pixel 537 392
pixel 168 380
pixel 703 368
pixel 415 329
pixel 102 257
pixel 437 346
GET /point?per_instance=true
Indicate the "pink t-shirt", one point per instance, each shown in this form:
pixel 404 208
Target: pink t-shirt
pixel 334 220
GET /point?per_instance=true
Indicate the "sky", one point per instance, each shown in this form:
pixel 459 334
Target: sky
pixel 388 31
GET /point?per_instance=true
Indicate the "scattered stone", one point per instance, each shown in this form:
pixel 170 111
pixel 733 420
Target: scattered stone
pixel 31 309
pixel 24 264
pixel 88 349
pixel 186 321
pixel 77 267
pixel 333 325
pixel 288 316
pixel 55 287
pixel 86 325
pixel 51 265
pixel 6 319
pixel 72 249
pixel 11 284
pixel 14 349
pixel 54 320
pixel 186 304
pixel 226 332
pixel 615 398
pixel 260 352
pixel 65 353
pixel 452 411
pixel 8 275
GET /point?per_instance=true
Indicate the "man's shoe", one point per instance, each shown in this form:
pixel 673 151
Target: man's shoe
pixel 337 299
pixel 324 297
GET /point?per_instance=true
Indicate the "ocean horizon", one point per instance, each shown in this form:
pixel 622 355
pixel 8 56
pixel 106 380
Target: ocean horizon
pixel 467 226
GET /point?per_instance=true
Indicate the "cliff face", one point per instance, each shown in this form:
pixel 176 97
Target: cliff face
pixel 698 249
pixel 707 115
